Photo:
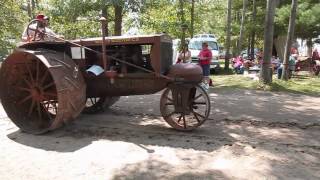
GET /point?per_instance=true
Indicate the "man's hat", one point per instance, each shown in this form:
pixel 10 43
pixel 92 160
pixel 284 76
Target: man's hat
pixel 40 17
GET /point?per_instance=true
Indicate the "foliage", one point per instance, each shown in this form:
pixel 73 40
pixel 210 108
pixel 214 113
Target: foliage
pixel 307 22
pixel 11 22
pixel 79 18
pixel 209 17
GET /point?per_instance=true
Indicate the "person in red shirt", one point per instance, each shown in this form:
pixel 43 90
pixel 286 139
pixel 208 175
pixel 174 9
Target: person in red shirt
pixel 205 57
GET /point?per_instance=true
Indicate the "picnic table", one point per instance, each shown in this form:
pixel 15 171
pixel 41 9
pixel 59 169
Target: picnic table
pixel 254 70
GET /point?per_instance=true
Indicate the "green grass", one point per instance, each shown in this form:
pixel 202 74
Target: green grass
pixel 300 84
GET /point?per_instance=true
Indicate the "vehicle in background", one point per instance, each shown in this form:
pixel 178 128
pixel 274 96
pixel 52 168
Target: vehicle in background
pixel 245 55
pixel 205 36
pixel 195 46
pixel 175 49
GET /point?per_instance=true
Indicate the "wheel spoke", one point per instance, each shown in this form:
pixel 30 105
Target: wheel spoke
pixel 26 81
pixel 55 107
pixel 23 89
pixel 39 111
pixel 25 99
pixel 38 69
pixel 92 102
pixel 203 103
pixel 48 85
pixel 199 114
pixel 31 108
pixel 168 104
pixel 48 114
pixel 171 100
pixel 196 116
pixel 47 105
pixel 179 120
pixel 29 71
pixel 184 122
pixel 197 97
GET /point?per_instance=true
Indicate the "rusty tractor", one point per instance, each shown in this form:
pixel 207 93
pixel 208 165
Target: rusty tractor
pixel 45 84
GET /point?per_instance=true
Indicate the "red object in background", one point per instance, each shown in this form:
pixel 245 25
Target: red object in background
pixel 294 50
pixel 40 16
pixel 206 54
pixel 210 82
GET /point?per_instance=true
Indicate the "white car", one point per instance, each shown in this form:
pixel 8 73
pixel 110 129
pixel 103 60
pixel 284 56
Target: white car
pixel 195 46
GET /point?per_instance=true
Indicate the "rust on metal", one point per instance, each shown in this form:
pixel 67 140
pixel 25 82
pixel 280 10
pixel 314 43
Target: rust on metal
pixel 46 84
pixel 38 95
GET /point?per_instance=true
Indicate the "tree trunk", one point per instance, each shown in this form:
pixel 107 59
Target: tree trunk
pixel 227 45
pixel 266 74
pixel 285 70
pixel 105 14
pixel 309 47
pixel 244 9
pixel 248 47
pixel 280 43
pixel 253 34
pixel 192 19
pixel 118 19
pixel 182 19
pixel 33 8
pixel 29 10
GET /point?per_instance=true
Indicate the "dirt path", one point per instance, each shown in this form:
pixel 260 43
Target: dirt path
pixel 241 140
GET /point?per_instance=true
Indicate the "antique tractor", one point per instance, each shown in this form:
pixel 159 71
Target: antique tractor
pixel 45 84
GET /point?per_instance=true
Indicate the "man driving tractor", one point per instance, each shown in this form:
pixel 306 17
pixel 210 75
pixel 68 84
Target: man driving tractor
pixel 38 30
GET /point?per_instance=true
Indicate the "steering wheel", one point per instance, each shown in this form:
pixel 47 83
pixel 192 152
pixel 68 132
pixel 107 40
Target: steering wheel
pixel 38 33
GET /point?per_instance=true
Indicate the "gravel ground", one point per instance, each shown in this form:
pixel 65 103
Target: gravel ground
pixel 250 135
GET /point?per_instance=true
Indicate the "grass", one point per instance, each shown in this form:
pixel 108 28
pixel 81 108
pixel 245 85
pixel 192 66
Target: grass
pixel 299 84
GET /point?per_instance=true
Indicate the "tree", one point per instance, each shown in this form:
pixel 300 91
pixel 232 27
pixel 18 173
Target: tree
pixel 118 19
pixel 285 71
pixel 239 45
pixel 253 22
pixel 182 21
pixel 306 27
pixel 192 19
pixel 227 44
pixel 11 22
pixel 266 74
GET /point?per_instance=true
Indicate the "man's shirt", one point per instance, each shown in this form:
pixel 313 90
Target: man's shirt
pixel 205 56
pixel 49 37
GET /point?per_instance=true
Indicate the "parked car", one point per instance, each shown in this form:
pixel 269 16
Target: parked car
pixel 205 36
pixel 195 45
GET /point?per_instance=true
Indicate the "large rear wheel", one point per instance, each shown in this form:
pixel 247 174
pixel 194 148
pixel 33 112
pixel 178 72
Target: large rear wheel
pixel 41 90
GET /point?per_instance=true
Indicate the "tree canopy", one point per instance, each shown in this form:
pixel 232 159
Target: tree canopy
pixel 79 18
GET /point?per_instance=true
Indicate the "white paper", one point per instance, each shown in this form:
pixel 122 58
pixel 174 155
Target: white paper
pixel 96 70
pixel 77 53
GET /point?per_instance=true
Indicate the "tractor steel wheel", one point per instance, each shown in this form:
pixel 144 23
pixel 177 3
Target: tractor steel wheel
pixel 41 90
pixel 197 113
pixel 99 104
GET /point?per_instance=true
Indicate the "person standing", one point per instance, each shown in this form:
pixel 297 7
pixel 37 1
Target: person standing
pixel 316 57
pixel 205 57
pixel 184 55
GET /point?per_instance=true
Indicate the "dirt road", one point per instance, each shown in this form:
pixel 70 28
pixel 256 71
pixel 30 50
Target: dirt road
pixel 250 135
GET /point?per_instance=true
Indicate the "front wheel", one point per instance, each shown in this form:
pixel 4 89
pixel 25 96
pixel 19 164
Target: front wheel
pixel 185 109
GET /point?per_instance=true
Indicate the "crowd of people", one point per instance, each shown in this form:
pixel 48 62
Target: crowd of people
pixel 240 64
